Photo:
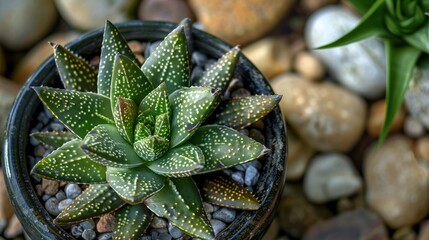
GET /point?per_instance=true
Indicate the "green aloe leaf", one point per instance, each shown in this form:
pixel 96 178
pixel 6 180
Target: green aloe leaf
pixel 220 73
pixel 131 221
pixel 224 147
pixel 134 184
pixel 141 132
pixel 75 72
pixel 113 43
pixel 54 139
pixel 180 202
pixel 96 200
pixel 156 102
pixel 187 28
pixel 105 145
pixel 371 25
pixel 69 163
pixel 239 113
pixel 420 38
pixel 182 161
pixel 78 111
pixel 224 192
pixel 362 6
pixel 125 113
pixel 152 147
pixel 169 62
pixel 128 81
pixel 162 126
pixel 190 107
pixel 401 60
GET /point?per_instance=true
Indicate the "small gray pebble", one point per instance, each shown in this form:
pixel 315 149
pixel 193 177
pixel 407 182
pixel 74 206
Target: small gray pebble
pixel 57 126
pixel 64 203
pixel 45 197
pixel 33 141
pixel 89 224
pixel 51 206
pixel 60 195
pixel 76 231
pixel 228 172
pixel 240 167
pixel 199 58
pixel 215 208
pixel 158 222
pixel 251 176
pixel 154 233
pixel 174 231
pixel 48 114
pixel 226 215
pixel 238 177
pixel 37 178
pixel 217 225
pixel 150 47
pixel 89 234
pixel 73 190
pixel 106 236
pixel 164 236
pixel 196 74
pixel 208 208
pixel 254 163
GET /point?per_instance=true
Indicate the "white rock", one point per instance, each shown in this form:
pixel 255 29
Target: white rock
pixel 331 176
pixel 359 66
pixel 413 128
pixel 86 15
pixel 416 98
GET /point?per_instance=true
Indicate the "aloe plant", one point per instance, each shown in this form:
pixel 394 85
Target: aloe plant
pixel 137 134
pixel 403 25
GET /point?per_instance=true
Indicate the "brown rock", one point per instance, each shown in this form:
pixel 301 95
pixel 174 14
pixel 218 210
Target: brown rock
pixel 270 55
pixel 422 148
pixel 312 5
pixel 37 55
pixel 376 118
pixel 164 10
pixel 424 231
pixel 359 224
pixel 326 116
pixel 6 209
pixel 13 229
pixel 50 187
pixel 406 233
pixel 309 66
pixel 397 186
pixel 299 153
pixel 237 21
pixel 106 223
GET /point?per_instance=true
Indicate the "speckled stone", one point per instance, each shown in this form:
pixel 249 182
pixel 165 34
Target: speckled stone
pixel 217 225
pixel 50 187
pixel 416 99
pixel 174 231
pixel 51 206
pixel 89 234
pixel 106 223
pixel 251 176
pixel 226 215
pixel 64 203
pixel 72 190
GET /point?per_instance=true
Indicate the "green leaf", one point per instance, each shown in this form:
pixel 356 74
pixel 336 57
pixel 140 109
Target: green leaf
pixel 78 111
pixel 96 200
pixel 180 202
pixel 113 43
pixel 128 81
pixel 156 102
pixel 401 60
pixel 220 73
pixel 362 6
pixel 162 126
pixel 69 163
pixel 190 107
pixel 152 147
pixel 131 222
pixel 106 146
pixel 239 113
pixel 134 184
pixel 224 192
pixel 187 28
pixel 224 147
pixel 125 113
pixel 54 139
pixel 182 161
pixel 75 72
pixel 419 39
pixel 141 132
pixel 371 25
pixel 169 62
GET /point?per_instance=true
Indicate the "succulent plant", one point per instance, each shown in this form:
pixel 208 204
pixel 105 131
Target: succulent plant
pixel 403 25
pixel 138 133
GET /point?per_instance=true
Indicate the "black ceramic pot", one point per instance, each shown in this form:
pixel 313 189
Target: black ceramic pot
pixel 36 220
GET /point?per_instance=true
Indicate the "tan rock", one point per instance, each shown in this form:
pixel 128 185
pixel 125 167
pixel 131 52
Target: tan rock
pixel 270 55
pixel 405 233
pixel 312 5
pixel 106 223
pixel 422 148
pixel 237 21
pixel 424 231
pixel 6 209
pixel 14 228
pixel 397 186
pixel 299 154
pixel 326 116
pixel 164 10
pixel 309 66
pixel 38 55
pixel 376 117
pixel 8 91
pixel 50 187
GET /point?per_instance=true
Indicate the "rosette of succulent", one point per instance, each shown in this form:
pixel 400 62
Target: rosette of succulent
pixel 138 133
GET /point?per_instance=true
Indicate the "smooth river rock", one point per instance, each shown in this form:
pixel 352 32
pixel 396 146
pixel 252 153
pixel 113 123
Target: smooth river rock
pixel 237 21
pixel 299 154
pixel 397 185
pixel 324 115
pixel 331 176
pixel 25 22
pixel 359 66
pixel 416 98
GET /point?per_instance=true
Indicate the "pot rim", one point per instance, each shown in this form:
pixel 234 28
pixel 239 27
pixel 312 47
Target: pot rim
pixel 32 214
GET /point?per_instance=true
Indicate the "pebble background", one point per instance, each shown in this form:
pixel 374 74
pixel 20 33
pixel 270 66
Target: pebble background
pixel 339 186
